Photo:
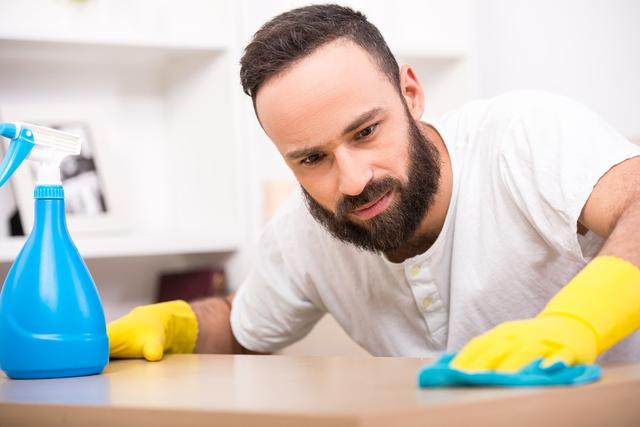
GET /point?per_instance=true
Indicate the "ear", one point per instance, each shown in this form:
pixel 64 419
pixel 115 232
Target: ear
pixel 412 91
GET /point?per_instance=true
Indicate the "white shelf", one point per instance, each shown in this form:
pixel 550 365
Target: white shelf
pixel 153 86
pixel 125 246
pixel 56 50
pixel 115 40
pixel 192 23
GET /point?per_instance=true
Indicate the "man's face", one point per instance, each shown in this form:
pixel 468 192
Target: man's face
pixel 368 173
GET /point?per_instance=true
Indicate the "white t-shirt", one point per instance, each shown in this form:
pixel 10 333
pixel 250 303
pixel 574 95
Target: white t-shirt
pixel 524 164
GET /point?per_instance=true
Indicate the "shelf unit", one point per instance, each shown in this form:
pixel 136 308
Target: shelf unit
pixel 150 95
pixel 152 80
pixel 128 246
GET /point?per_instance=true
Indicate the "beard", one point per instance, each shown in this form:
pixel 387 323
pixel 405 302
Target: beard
pixel 396 225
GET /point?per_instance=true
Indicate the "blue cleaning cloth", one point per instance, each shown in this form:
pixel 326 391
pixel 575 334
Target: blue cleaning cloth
pixel 440 374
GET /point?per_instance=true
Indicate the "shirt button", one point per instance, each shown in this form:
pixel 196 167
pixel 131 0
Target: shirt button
pixel 426 302
pixel 415 270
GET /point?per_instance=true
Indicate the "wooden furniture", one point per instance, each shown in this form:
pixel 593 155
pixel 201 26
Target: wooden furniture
pixel 220 390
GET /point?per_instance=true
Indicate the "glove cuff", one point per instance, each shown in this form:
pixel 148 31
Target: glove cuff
pixel 183 331
pixel 605 295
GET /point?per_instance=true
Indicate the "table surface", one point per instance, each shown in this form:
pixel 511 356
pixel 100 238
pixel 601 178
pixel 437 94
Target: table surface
pixel 185 390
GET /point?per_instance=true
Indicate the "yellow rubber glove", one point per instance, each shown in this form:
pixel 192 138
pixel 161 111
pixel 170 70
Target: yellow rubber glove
pixel 594 311
pixel 150 330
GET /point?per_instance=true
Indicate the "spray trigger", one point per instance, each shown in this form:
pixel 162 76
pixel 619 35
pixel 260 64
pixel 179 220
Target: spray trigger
pixel 21 145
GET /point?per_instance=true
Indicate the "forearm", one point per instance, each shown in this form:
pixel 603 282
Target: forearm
pixel 598 308
pixel 606 294
pixel 624 239
pixel 214 327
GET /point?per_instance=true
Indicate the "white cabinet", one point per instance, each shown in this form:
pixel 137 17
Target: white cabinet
pixel 153 82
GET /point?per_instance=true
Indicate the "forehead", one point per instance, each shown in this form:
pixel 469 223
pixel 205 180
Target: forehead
pixel 316 97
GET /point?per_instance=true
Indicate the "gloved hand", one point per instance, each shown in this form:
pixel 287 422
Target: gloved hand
pixel 597 309
pixel 150 330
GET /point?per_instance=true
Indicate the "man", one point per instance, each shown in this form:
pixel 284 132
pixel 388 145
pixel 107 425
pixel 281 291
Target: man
pixel 417 236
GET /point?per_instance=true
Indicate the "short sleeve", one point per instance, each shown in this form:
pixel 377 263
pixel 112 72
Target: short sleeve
pixel 272 308
pixel 552 154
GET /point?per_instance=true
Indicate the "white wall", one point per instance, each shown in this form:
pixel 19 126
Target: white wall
pixel 585 49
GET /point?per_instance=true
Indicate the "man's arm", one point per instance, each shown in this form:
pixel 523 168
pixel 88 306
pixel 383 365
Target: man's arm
pixel 214 327
pixel 149 331
pixel 613 211
pixel 597 308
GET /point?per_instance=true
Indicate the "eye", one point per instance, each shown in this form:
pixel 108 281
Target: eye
pixel 366 132
pixel 312 159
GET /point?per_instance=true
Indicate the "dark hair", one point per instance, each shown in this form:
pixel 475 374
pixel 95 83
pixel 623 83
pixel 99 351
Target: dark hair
pixel 297 33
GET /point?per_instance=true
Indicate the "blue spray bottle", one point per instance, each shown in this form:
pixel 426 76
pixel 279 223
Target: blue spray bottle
pixel 51 320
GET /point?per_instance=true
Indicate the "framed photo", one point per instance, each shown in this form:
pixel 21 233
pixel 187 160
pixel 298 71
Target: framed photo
pixel 7 208
pixel 88 202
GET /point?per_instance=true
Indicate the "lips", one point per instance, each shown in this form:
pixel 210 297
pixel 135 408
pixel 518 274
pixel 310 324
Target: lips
pixel 373 208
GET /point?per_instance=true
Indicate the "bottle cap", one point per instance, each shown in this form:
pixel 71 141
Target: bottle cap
pixel 48 192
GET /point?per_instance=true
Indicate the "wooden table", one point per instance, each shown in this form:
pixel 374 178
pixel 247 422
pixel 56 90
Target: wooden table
pixel 216 390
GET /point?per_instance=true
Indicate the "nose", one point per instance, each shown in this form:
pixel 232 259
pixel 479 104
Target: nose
pixel 353 171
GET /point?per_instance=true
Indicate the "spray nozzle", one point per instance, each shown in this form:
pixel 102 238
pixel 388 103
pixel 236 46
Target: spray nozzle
pixel 46 145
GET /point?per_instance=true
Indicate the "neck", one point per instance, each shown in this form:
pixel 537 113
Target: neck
pixel 433 221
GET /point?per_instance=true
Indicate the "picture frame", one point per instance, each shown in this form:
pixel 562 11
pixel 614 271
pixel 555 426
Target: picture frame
pixel 7 208
pixel 89 204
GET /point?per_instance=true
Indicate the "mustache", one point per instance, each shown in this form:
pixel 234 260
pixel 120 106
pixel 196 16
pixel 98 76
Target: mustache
pixel 371 192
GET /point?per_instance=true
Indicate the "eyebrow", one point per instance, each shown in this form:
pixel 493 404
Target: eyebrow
pixel 355 124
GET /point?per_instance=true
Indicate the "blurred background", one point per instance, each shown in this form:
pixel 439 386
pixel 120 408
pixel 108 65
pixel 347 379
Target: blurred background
pixel 184 171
